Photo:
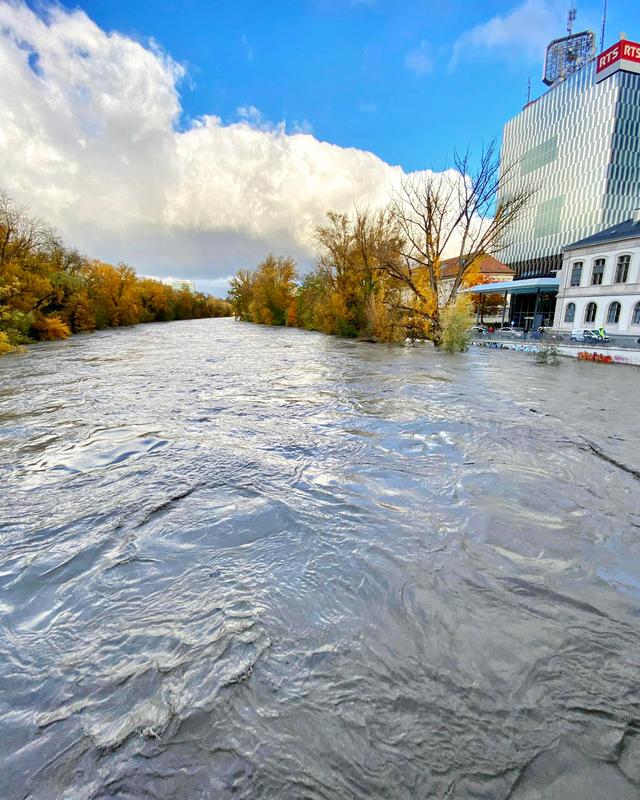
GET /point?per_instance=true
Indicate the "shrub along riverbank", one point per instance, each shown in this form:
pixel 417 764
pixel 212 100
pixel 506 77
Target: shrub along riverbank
pixel 48 291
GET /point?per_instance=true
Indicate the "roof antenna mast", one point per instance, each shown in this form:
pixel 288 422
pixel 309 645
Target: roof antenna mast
pixel 571 18
pixel 604 25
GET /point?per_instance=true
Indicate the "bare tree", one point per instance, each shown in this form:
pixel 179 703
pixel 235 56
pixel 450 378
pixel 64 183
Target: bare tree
pixel 465 211
pixel 21 234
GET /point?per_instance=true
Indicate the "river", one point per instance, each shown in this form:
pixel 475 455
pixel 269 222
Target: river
pixel 266 563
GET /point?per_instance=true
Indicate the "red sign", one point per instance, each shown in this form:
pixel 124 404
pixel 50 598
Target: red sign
pixel 623 55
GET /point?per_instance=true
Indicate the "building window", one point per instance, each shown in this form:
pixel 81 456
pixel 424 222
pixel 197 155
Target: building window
pixel 613 314
pixel 622 269
pixel 590 312
pixel 576 273
pixel 570 313
pixel 636 315
pixel 598 272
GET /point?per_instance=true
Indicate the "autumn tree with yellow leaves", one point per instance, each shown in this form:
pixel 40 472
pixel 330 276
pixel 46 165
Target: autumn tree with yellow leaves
pixel 266 295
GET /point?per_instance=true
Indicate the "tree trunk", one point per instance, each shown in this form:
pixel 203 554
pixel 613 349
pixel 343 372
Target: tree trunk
pixel 436 330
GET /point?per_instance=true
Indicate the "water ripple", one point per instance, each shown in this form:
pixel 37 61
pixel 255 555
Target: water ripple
pixel 257 563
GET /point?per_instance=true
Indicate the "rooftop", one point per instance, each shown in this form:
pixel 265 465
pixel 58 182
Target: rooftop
pixel 488 266
pixel 629 229
pixel 528 286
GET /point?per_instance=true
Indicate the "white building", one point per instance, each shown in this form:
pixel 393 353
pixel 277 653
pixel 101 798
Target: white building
pixel 600 281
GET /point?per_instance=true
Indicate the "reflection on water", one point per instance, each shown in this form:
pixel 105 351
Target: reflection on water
pixel 257 563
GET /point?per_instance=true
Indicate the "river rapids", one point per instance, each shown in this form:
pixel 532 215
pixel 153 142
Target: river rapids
pixel 245 562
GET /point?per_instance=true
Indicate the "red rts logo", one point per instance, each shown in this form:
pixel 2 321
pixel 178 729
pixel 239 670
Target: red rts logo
pixel 611 55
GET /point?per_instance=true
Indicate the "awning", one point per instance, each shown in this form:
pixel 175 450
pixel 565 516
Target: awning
pixel 527 286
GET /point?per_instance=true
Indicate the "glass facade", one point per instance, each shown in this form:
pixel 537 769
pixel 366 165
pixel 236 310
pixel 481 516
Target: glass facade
pixel 578 145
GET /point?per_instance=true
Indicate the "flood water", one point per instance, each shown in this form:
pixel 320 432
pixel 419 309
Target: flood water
pixel 261 563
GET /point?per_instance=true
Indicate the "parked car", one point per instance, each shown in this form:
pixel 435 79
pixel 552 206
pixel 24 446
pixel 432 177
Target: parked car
pixel 589 335
pixel 508 330
pixel 479 330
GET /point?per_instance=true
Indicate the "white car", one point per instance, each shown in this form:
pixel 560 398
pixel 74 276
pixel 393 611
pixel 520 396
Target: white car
pixel 516 333
pixel 589 335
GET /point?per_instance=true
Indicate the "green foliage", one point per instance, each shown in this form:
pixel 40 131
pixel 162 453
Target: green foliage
pixel 456 324
pixel 48 291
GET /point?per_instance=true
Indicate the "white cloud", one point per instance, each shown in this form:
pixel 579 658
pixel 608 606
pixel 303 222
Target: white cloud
pixel 255 119
pixel 523 33
pixel 247 47
pixel 419 60
pixel 89 140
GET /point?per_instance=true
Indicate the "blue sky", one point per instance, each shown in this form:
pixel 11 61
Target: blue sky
pixel 190 139
pixel 372 74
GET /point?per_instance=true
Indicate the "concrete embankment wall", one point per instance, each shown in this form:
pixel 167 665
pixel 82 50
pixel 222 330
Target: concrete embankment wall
pixel 619 355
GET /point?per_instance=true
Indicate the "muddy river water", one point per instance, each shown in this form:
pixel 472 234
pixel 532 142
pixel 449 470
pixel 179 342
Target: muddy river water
pixel 261 563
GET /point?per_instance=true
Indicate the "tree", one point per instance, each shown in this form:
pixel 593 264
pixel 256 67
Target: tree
pixel 349 280
pixel 265 295
pixel 464 209
pixel 21 235
pixel 241 293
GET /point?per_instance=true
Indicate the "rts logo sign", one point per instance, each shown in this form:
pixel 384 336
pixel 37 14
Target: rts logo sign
pixel 623 55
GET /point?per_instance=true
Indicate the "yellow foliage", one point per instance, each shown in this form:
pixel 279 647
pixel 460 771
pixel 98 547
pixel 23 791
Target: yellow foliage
pixel 472 275
pixel 48 291
pixel 382 324
pixel 265 296
pixel 456 323
pixel 292 314
pixel 5 344
pixel 50 328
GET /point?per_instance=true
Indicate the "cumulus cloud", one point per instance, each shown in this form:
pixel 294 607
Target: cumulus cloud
pixel 89 139
pixel 522 33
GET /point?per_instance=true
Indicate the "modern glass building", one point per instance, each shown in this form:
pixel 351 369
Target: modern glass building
pixel 578 145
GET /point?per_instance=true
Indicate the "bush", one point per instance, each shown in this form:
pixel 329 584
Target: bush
pixel 5 344
pixel 548 354
pixel 50 328
pixel 456 324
